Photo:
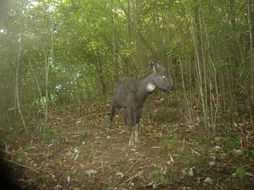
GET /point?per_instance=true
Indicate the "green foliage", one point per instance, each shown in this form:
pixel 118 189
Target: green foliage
pixel 111 188
pixel 251 151
pixel 241 173
pixel 21 152
pixel 187 154
pixel 50 134
pixel 170 142
pixel 90 44
pixel 158 178
pixel 231 142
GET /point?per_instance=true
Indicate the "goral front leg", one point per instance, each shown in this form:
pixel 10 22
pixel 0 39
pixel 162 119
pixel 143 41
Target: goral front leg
pixel 136 138
pixel 132 137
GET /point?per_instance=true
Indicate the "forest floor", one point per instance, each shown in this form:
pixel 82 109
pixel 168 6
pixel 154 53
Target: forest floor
pixel 78 151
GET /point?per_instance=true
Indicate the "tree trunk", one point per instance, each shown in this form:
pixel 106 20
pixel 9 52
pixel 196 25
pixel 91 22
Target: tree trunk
pixel 20 38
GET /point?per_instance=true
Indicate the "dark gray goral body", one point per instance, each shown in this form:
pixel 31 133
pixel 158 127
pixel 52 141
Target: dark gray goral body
pixel 132 93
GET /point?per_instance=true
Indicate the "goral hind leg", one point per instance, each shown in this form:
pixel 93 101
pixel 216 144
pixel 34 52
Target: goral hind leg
pixel 134 136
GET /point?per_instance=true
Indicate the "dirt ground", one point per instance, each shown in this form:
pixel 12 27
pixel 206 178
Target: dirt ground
pixel 78 151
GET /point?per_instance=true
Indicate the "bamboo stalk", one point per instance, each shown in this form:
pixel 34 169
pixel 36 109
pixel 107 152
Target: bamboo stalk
pixel 199 72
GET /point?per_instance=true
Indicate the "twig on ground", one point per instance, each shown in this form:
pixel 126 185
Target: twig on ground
pixel 133 177
pixel 127 171
pixel 195 152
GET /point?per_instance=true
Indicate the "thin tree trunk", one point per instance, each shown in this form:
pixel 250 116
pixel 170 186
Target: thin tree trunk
pixel 47 60
pixel 252 64
pixel 113 41
pixel 46 91
pixel 205 77
pixel 99 70
pixel 36 79
pixel 20 38
pixel 199 72
pixel 187 101
pixel 212 74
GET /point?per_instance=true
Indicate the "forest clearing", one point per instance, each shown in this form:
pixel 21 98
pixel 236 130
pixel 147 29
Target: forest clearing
pixel 183 69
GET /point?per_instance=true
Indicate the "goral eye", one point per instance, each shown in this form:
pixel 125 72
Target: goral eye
pixel 163 77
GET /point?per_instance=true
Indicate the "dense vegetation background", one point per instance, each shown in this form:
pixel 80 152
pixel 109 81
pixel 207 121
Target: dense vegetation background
pixel 61 52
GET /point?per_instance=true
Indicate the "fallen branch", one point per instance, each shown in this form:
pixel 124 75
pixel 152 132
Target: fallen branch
pixel 7 152
pixel 21 165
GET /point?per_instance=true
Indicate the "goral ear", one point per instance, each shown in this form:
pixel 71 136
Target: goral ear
pixel 153 66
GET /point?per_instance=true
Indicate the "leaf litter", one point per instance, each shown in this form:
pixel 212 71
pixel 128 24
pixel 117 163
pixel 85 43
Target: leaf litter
pixel 80 152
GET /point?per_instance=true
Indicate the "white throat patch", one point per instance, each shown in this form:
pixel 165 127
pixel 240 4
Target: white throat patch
pixel 150 87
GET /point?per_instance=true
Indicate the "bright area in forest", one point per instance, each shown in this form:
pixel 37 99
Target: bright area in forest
pixel 60 60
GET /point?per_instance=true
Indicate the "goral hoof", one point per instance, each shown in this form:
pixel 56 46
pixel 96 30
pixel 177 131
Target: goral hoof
pixel 131 142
